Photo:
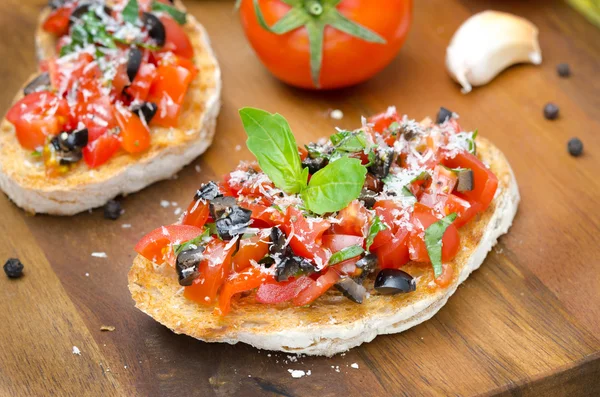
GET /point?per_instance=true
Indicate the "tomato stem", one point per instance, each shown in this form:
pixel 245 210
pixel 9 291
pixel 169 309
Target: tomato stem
pixel 314 8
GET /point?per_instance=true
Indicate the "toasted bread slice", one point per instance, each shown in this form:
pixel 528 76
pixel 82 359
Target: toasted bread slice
pixel 332 324
pixel 23 178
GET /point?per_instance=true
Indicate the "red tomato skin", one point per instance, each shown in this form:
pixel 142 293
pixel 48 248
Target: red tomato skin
pixel 287 56
pixel 423 217
pixel 317 288
pixel 177 40
pixel 168 91
pixel 135 135
pixel 251 249
pixel 140 86
pixel 57 22
pixel 485 182
pixel 263 216
pixel 275 292
pixel 394 254
pixel 214 269
pixel 101 150
pixel 247 280
pixel 306 240
pixel 445 278
pixel 197 213
pixel 353 220
pixel 151 246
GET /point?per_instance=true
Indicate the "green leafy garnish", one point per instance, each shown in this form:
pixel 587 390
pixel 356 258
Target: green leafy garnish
pixel 472 145
pixel 270 139
pixel 345 254
pixel 335 186
pixel 433 241
pixel 374 229
pixel 36 153
pixel 89 30
pixel 179 16
pixel 196 241
pixel 346 142
pixel 131 12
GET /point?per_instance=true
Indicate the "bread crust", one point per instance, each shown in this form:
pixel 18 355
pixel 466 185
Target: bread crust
pixel 23 178
pixel 332 324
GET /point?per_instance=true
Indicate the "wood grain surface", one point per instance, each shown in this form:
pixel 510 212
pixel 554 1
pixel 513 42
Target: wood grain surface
pixel 527 323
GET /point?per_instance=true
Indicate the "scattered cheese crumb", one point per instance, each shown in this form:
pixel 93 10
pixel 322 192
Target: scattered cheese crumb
pixel 174 203
pixel 177 211
pixel 87 274
pixel 126 226
pixel 107 328
pixel 99 255
pixel 296 373
pixel 76 351
pixel 198 168
pixel 336 114
pixel 238 148
pixel 164 203
pixel 354 365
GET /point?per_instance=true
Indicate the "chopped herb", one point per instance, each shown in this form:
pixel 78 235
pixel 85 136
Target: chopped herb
pixel 345 254
pixel 179 16
pixel 374 229
pixel 131 12
pixel 433 241
pixel 197 241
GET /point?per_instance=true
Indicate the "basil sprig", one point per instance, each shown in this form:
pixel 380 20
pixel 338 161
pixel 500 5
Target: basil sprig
pixel 196 242
pixel 270 139
pixel 179 16
pixel 90 30
pixel 433 241
pixel 376 226
pixel 345 254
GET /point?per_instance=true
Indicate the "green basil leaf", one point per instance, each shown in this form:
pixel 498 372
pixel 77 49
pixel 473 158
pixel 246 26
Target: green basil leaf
pixel 345 254
pixel 335 186
pixel 131 12
pixel 270 139
pixel 374 229
pixel 433 241
pixel 179 16
pixel 196 241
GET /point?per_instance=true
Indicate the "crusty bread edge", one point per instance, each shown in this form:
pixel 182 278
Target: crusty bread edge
pixel 134 177
pixel 330 339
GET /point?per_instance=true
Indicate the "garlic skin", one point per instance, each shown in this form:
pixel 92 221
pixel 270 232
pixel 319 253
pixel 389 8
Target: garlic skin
pixel 487 43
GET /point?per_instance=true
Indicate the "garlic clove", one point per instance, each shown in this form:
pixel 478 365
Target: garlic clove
pixel 487 43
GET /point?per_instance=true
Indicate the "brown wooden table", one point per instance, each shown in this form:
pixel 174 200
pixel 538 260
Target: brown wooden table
pixel 526 323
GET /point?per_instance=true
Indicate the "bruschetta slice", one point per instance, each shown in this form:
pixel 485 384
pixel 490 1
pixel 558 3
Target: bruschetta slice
pixel 316 250
pixel 127 94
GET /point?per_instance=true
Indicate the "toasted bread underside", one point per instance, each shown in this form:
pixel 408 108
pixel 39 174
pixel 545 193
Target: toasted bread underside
pixel 332 324
pixel 23 179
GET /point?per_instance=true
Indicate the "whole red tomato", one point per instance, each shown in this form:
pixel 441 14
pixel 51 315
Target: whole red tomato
pixel 285 48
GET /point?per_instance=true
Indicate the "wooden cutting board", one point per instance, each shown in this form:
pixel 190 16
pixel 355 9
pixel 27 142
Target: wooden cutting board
pixel 526 323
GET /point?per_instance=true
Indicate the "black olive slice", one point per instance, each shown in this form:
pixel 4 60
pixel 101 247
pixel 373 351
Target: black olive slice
pixel 383 159
pixel 292 266
pixel 145 110
pixel 187 265
pixel 40 83
pixel 443 115
pixel 220 205
pixel 134 61
pixel 156 29
pixel 465 180
pixel 351 289
pixel 208 191
pixel 368 263
pixel 233 223
pixel 64 155
pixel 394 281
pixel 83 9
pixel 54 4
pixel 277 242
pixel 315 164
pixel 368 197
pixel 75 140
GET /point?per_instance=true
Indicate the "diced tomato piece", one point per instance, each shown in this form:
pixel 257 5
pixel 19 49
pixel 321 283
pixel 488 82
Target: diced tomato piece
pixel 462 208
pixel 251 249
pixel 423 217
pixel 152 245
pixel 394 253
pixel 275 292
pixel 337 242
pixel 392 214
pixel 445 278
pixel 383 120
pixel 135 134
pixel 37 116
pixel 197 213
pixel 214 269
pixel 303 153
pixel 317 288
pixel 485 182
pixel 140 87
pixel 177 40
pixel 57 22
pixel 101 150
pixel 353 220
pixel 247 280
pixel 307 235
pixel 262 215
pixel 81 70
pixel 348 267
pixel 168 92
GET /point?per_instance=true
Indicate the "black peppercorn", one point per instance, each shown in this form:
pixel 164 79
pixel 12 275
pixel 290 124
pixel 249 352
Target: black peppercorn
pixel 13 268
pixel 551 111
pixel 112 210
pixel 563 69
pixel 575 147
